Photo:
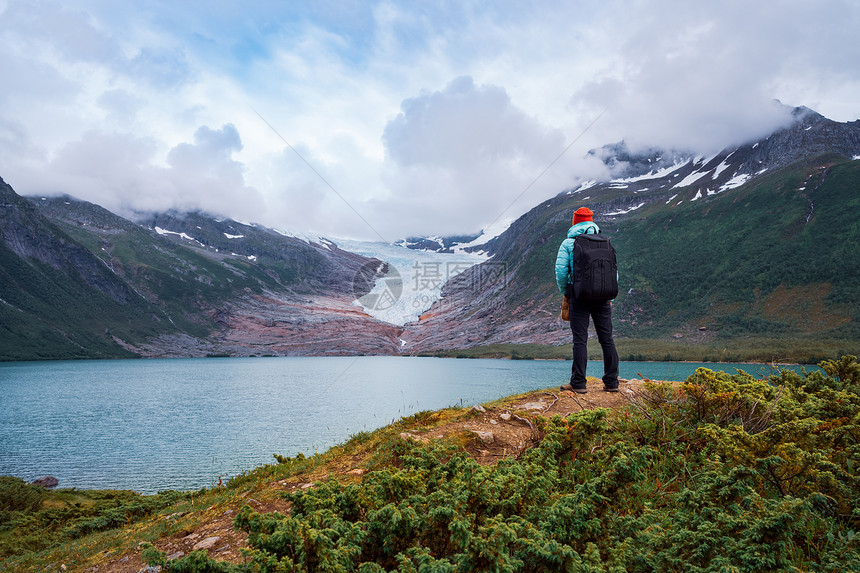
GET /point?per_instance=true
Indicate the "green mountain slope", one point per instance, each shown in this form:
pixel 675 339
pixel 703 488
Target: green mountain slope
pixel 77 281
pixel 753 248
pixel 776 259
pixel 56 299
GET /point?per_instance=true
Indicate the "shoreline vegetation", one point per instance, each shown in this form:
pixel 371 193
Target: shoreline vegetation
pixel 749 351
pixel 773 351
pixel 718 472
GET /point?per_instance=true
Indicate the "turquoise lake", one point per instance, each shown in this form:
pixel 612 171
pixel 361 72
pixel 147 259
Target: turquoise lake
pixel 152 425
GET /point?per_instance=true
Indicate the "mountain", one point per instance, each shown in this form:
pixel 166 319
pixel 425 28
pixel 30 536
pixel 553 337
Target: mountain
pixel 56 298
pixel 438 244
pixel 758 242
pixel 81 282
pixel 755 245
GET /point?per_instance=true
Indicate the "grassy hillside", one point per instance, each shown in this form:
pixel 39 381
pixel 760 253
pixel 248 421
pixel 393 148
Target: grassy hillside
pixel 772 263
pixel 749 263
pixel 57 299
pixel 723 472
pixel 75 279
pixel 44 314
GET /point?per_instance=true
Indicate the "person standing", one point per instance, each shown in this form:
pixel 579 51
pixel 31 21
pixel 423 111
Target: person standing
pixel 600 311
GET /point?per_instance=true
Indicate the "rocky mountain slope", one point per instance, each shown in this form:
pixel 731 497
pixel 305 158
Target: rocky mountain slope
pixel 79 281
pixel 56 297
pixel 756 241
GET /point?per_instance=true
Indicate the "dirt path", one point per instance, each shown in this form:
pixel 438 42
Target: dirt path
pixel 490 434
pixel 500 432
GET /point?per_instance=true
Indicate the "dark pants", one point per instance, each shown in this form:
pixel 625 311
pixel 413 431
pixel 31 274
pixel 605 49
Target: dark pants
pixel 601 315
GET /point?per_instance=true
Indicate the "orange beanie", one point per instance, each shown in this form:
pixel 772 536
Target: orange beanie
pixel 582 214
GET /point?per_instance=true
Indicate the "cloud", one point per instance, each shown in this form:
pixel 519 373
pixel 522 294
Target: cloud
pixel 118 171
pixel 705 77
pixel 162 67
pixel 458 158
pixel 48 29
pixel 324 194
pixel 423 118
pixel 462 125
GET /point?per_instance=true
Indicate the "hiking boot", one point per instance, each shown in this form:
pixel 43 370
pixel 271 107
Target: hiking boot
pixel 570 388
pixel 608 389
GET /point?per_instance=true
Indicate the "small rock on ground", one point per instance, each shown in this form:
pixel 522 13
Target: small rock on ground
pixel 207 543
pixel 484 436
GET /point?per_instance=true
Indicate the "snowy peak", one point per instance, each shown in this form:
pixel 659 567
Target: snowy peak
pixel 690 177
pixel 436 244
pixel 455 244
pixel 624 164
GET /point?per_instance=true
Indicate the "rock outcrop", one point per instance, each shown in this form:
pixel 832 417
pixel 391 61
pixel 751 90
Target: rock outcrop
pixel 47 482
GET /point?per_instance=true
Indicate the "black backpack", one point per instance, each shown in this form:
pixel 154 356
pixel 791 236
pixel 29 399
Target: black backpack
pixel 595 270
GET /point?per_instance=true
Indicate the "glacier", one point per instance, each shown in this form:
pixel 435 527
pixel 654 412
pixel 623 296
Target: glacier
pixel 413 282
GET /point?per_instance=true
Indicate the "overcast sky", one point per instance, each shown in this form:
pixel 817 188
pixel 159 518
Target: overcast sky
pixel 387 119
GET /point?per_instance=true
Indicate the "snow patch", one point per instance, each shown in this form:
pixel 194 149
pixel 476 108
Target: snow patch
pixel 653 174
pixel 485 237
pixel 624 211
pixel 671 198
pixel 689 179
pixel 252 257
pixel 710 158
pixel 698 195
pixel 720 168
pixel 161 231
pixel 856 157
pixel 735 181
pixel 229 236
pixel 583 187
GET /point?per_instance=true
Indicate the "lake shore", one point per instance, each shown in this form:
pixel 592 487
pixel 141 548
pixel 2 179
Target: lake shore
pixel 646 440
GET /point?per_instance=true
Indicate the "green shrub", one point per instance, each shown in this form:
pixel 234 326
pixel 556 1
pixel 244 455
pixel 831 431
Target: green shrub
pixel 71 515
pixel 725 472
pixel 18 495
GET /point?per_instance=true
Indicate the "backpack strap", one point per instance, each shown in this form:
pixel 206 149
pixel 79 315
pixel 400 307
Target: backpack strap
pixel 570 262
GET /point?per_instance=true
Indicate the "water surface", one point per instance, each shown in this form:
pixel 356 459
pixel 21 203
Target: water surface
pixel 151 425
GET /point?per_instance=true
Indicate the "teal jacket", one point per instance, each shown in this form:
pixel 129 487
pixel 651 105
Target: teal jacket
pixel 565 252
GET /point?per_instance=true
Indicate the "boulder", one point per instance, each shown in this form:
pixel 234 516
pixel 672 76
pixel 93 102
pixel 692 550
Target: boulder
pixel 46 482
pixel 207 543
pixel 484 436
